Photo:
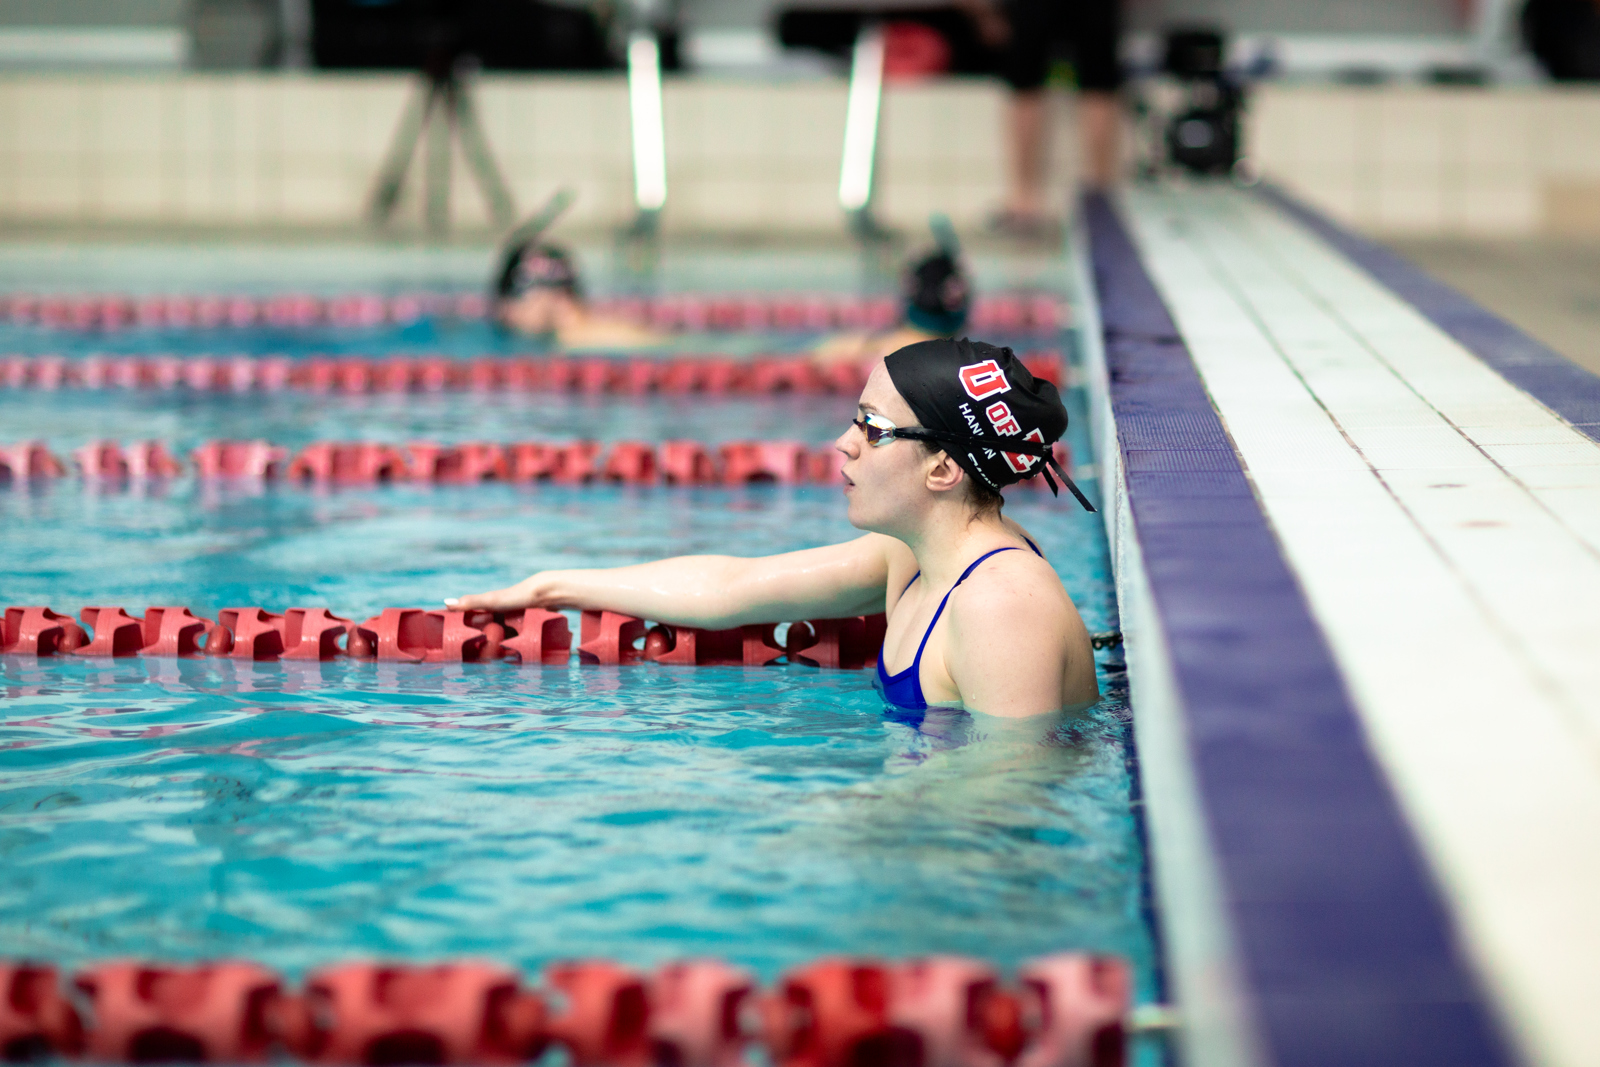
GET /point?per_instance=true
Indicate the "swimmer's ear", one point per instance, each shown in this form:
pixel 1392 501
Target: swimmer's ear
pixel 945 474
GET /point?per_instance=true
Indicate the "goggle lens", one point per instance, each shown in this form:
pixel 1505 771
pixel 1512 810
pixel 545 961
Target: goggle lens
pixel 875 428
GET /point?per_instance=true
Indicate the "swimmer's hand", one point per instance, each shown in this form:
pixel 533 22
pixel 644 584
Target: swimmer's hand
pixel 535 591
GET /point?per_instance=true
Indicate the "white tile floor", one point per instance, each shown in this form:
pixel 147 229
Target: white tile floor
pixel 1446 529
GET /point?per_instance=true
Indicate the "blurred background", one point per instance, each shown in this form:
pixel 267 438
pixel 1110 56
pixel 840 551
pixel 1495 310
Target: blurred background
pixel 1466 133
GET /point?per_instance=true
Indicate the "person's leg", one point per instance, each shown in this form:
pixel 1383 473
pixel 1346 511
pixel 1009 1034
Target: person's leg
pixel 1024 62
pixel 1027 142
pixel 1095 30
pixel 1100 124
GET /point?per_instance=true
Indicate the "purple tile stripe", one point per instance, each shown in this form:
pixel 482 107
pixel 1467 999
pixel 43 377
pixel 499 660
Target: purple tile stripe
pixel 1345 946
pixel 1555 381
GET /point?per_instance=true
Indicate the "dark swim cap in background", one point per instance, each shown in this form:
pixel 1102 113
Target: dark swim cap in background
pixel 937 293
pixel 979 403
pixel 530 266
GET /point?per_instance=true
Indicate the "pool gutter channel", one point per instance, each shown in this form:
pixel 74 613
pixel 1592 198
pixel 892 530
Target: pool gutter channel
pixel 1254 769
pixel 1198 958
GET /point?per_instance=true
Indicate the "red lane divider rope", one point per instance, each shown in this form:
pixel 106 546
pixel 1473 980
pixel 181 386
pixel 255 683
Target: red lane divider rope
pixel 1005 312
pixel 370 463
pixel 531 636
pixel 599 375
pixel 1065 1010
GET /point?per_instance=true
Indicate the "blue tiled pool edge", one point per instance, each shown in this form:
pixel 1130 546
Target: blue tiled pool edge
pixel 1559 384
pixel 1337 946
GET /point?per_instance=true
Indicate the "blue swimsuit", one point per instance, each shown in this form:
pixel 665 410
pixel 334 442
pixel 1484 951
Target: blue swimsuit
pixel 904 690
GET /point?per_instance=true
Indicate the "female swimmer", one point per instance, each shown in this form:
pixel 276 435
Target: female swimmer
pixel 976 617
pixel 937 296
pixel 537 294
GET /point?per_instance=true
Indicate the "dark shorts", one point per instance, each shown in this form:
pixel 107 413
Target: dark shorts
pixel 1088 28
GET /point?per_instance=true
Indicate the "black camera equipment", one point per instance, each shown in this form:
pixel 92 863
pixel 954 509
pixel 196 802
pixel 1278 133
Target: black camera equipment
pixel 444 41
pixel 1202 136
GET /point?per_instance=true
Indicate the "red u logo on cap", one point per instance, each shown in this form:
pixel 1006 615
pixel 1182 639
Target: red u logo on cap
pixel 983 379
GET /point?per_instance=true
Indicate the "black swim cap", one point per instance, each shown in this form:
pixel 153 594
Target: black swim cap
pixel 984 407
pixel 937 294
pixel 529 266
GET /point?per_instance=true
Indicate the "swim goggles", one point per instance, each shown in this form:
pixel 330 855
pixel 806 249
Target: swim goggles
pixel 880 431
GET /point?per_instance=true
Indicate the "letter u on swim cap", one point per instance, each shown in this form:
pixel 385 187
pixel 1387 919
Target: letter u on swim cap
pixel 975 398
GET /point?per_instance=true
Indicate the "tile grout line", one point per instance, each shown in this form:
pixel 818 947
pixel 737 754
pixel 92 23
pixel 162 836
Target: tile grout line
pixel 1315 296
pixel 1537 672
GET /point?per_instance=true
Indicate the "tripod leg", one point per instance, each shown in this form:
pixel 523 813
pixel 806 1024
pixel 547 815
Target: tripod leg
pixel 438 212
pixel 392 176
pixel 475 146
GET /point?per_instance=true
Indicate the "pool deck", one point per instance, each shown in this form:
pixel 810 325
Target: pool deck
pixel 1357 528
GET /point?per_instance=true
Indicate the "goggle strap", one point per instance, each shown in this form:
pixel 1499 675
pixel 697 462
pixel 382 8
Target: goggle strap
pixel 1037 449
pixel 1065 477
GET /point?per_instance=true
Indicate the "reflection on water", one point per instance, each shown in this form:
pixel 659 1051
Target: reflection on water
pixel 298 813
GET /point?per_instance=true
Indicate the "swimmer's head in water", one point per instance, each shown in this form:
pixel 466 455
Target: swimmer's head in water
pixel 937 294
pixel 531 267
pixel 973 400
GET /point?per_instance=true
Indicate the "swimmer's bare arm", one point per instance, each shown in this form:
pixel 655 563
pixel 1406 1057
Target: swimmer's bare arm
pixel 1018 649
pixel 716 592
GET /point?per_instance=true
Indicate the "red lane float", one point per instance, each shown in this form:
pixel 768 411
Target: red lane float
pixel 36 1020
pixel 686 463
pixel 835 1013
pixel 115 633
pixel 40 632
pixel 696 1014
pixel 697 312
pixel 607 1018
pixel 29 459
pixel 418 635
pixel 631 463
pixel 842 644
pixel 312 633
pixel 344 463
pixel 1065 1011
pixel 473 461
pixel 108 459
pixel 454 1013
pixel 347 462
pixel 217 460
pixel 747 462
pixel 214 1013
pixel 171 632
pixel 596 375
pixel 1075 1005
pixel 539 636
pixel 959 1012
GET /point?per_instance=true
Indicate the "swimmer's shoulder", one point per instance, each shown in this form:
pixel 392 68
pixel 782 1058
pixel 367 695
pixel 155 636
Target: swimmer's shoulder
pixel 1016 640
pixel 1015 601
pixel 1018 530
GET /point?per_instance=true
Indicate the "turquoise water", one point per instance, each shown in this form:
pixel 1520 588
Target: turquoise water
pixel 296 813
pixel 303 813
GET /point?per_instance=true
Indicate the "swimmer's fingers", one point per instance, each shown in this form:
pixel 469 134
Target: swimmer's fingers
pixel 512 597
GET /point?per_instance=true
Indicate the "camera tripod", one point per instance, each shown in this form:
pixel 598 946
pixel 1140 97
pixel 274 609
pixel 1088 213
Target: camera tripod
pixel 444 109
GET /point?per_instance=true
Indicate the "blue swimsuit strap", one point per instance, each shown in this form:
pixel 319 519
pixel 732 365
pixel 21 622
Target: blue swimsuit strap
pixel 916 664
pixel 917 575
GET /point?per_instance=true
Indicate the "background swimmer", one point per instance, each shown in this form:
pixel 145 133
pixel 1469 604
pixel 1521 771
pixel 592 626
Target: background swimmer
pixel 538 292
pixel 937 294
pixel 976 617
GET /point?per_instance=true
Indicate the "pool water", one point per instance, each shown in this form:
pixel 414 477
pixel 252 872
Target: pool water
pixel 302 813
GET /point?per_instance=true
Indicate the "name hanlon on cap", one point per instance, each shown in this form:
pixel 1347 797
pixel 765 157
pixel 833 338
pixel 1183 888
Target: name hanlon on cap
pixel 976 427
